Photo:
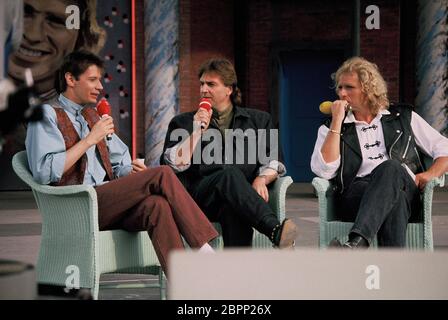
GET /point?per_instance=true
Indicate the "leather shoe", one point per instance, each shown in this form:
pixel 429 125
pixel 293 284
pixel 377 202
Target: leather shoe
pixel 335 243
pixel 356 242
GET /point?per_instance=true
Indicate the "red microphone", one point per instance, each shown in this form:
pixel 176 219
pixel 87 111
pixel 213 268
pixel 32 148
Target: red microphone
pixel 103 108
pixel 205 103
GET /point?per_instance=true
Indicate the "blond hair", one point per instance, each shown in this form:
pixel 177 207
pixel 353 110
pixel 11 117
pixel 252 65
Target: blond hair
pixel 372 83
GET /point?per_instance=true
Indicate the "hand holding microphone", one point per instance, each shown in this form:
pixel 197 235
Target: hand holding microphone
pixel 337 109
pixel 325 107
pixel 104 110
pixel 204 113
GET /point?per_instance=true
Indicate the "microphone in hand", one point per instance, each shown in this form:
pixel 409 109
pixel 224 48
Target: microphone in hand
pixel 103 108
pixel 325 107
pixel 206 104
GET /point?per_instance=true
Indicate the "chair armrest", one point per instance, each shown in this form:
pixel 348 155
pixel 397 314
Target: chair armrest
pixel 65 190
pixel 326 210
pixel 76 206
pixel 277 196
pixel 321 185
pixel 428 191
pixel 427 196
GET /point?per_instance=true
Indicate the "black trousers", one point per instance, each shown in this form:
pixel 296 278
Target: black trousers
pixel 228 198
pixel 382 204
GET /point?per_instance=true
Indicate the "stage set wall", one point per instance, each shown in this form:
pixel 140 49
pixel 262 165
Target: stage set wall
pixel 174 37
pixel 249 33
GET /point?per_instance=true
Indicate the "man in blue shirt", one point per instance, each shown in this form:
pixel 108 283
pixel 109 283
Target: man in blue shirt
pixel 69 147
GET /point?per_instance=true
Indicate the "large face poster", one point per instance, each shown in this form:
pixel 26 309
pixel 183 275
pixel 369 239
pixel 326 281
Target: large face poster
pixel 51 30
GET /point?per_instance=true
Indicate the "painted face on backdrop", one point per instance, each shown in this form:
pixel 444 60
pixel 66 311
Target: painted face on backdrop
pixel 212 87
pixel 45 42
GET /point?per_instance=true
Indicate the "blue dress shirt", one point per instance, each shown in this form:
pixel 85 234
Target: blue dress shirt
pixel 46 151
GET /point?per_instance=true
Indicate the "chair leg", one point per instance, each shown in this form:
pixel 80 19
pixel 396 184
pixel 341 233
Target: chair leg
pixel 54 291
pixel 96 284
pixel 162 283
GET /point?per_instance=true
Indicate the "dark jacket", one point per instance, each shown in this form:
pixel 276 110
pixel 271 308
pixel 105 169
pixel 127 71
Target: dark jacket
pixel 398 138
pixel 243 118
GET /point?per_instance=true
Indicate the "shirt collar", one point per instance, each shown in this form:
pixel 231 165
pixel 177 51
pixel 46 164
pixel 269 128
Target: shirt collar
pixel 69 105
pixel 223 115
pixel 350 118
pixel 240 112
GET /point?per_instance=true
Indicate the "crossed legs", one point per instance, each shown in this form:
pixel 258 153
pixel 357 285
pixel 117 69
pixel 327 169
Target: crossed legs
pixel 156 201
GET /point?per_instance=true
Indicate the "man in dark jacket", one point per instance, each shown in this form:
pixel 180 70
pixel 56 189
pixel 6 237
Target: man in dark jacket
pixel 225 157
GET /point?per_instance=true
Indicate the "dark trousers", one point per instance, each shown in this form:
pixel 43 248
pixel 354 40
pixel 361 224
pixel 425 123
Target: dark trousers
pixel 228 198
pixel 154 200
pixel 381 204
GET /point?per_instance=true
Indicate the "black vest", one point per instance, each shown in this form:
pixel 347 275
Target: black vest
pixel 398 138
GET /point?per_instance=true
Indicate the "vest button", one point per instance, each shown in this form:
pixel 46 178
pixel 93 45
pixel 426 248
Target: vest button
pixel 398 113
pixel 398 131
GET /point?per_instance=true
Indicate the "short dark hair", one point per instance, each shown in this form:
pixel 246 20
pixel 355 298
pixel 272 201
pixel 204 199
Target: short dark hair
pixel 225 70
pixel 76 63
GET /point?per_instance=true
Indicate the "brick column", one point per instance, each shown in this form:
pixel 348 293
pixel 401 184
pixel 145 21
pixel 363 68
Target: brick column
pixel 382 46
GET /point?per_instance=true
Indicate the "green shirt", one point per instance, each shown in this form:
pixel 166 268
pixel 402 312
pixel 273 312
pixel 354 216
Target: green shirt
pixel 222 120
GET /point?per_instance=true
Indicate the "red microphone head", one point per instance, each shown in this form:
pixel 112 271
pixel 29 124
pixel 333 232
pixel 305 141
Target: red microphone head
pixel 205 103
pixel 103 107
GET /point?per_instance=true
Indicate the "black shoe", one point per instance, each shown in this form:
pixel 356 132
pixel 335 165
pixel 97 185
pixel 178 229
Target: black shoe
pixel 335 243
pixel 356 242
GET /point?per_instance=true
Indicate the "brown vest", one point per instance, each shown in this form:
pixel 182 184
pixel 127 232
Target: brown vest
pixel 75 175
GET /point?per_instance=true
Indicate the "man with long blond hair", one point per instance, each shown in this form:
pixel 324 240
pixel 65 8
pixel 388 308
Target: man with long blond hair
pixel 373 150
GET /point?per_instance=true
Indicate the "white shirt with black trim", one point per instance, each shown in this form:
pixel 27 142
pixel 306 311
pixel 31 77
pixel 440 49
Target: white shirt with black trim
pixel 373 149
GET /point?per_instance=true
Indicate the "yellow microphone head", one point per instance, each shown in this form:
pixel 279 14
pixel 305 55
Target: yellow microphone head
pixel 325 107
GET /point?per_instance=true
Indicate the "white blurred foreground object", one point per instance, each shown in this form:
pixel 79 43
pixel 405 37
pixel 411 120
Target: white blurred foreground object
pixel 308 274
pixel 7 87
